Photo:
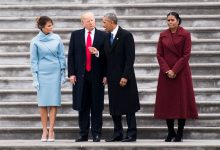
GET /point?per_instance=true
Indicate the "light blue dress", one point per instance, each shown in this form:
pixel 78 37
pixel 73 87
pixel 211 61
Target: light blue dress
pixel 47 63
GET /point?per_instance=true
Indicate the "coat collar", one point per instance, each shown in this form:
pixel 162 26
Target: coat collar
pixel 180 31
pixel 82 36
pixel 167 33
pixel 95 38
pixel 45 37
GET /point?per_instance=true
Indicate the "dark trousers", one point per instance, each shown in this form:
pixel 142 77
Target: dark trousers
pixel 84 114
pixel 131 122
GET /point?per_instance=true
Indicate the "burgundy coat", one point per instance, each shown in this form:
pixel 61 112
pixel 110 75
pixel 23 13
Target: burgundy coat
pixel 175 97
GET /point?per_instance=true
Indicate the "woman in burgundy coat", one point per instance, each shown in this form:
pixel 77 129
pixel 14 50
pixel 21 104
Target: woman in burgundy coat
pixel 175 96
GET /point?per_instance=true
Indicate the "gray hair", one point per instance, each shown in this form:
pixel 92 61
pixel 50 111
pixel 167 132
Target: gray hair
pixel 112 17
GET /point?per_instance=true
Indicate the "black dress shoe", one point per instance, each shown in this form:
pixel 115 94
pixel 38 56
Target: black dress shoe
pixel 96 139
pixel 114 139
pixel 81 139
pixel 129 139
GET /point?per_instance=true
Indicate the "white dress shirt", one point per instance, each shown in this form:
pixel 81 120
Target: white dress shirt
pixel 92 34
pixel 114 32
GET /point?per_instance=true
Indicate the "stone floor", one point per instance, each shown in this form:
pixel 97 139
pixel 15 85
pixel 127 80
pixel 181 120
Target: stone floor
pixel 139 144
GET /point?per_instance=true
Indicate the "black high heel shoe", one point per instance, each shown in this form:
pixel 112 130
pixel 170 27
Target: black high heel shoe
pixel 171 132
pixel 170 137
pixel 178 137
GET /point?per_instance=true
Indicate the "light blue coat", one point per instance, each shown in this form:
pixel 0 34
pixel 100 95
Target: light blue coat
pixel 48 65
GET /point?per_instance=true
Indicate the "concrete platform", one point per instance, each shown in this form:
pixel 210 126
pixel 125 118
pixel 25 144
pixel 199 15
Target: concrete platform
pixel 138 145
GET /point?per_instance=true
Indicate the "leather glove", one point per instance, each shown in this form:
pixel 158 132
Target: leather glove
pixel 35 81
pixel 63 76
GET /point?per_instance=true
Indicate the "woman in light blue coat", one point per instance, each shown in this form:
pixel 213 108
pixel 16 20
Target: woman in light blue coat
pixel 48 69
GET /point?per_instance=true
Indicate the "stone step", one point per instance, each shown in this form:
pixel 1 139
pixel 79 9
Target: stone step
pixel 23 58
pixel 150 69
pixel 121 9
pixel 30 107
pixel 196 68
pixel 19 117
pixel 143 81
pixel 145 94
pixel 196 57
pixel 198 81
pixel 157 132
pixel 139 21
pixel 140 45
pixel 71 120
pixel 140 144
pixel 138 33
pixel 22 2
pixel 16 107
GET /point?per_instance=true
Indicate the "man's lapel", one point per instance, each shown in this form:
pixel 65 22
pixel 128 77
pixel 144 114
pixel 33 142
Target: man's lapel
pixel 82 37
pixel 96 36
pixel 116 39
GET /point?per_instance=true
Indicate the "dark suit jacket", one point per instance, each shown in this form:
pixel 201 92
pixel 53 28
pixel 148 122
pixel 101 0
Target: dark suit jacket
pixel 120 60
pixel 76 66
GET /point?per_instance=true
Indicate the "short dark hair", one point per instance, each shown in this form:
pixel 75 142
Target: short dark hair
pixel 112 17
pixel 176 15
pixel 42 21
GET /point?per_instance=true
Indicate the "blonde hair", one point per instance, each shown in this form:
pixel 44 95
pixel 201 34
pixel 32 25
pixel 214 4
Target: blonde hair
pixel 85 15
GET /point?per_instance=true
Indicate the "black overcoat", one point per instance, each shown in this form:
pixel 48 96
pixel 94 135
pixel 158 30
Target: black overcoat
pixel 76 66
pixel 120 58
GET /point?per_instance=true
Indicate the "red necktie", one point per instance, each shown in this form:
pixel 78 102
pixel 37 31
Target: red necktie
pixel 88 54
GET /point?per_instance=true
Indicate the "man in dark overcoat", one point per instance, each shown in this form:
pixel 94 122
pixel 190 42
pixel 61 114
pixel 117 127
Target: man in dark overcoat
pixel 122 86
pixel 86 73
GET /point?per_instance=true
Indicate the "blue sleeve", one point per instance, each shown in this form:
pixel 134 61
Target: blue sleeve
pixel 34 57
pixel 61 55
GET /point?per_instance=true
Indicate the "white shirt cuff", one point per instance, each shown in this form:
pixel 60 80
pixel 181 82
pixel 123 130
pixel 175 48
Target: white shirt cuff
pixel 97 54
